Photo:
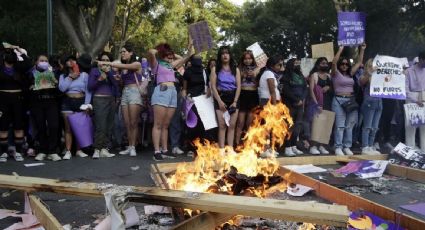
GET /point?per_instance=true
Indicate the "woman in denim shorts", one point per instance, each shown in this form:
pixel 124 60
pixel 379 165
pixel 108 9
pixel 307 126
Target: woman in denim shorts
pixel 131 99
pixel 163 61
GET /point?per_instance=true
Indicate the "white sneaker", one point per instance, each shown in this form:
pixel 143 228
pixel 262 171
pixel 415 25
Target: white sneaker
pixel 40 157
pixel 269 153
pixel 3 157
pixel 190 154
pixel 376 146
pixel 222 151
pixel 323 150
pixel 348 152
pixel 296 151
pixel 375 152
pixel 18 157
pixel 367 151
pixel 106 153
pixel 54 157
pixel 314 151
pixel 177 150
pixel 125 152
pixel 339 152
pixel 133 152
pixel 67 155
pixel 81 154
pixel 289 152
pixel 96 154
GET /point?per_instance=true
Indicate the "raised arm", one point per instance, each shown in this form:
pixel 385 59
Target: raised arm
pixel 180 61
pixel 64 83
pixel 152 58
pixel 335 61
pixel 359 60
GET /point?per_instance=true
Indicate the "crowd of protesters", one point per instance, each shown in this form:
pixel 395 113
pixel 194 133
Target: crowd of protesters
pixel 39 94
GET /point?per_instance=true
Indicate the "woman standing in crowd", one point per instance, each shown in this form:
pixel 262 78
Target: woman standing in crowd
pixel 415 90
pixel 226 87
pixel 131 99
pixel 163 61
pixel 343 84
pixel 12 84
pixel 294 94
pixel 320 85
pixel 104 88
pixel 74 84
pixel 267 86
pixel 195 83
pixel 371 110
pixel 248 69
pixel 44 108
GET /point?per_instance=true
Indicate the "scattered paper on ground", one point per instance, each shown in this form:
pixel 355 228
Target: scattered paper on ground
pixel 305 168
pixel 298 190
pixel 34 164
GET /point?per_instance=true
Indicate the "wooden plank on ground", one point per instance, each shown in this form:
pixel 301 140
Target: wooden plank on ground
pixel 318 213
pixel 353 202
pixel 44 216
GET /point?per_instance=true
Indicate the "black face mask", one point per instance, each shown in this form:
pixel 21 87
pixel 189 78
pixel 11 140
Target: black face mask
pixel 323 68
pixel 297 68
pixel 10 59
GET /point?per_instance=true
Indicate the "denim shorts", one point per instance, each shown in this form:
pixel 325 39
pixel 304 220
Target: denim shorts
pixel 165 95
pixel 131 96
pixel 70 105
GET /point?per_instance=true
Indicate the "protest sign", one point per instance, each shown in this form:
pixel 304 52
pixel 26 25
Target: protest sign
pixel 388 80
pixel 205 107
pixel 259 55
pixel 307 65
pixel 321 127
pixel 414 114
pixel 407 156
pixel 323 50
pixel 201 36
pixel 351 28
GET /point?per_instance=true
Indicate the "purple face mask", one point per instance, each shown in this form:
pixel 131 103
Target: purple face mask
pixel 43 66
pixel 8 70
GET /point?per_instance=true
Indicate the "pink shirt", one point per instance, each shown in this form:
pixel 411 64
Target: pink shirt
pixel 164 74
pixel 343 84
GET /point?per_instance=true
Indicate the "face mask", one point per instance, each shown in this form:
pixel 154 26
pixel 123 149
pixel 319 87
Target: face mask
pixel 8 70
pixel 43 66
pixel 323 68
pixel 297 67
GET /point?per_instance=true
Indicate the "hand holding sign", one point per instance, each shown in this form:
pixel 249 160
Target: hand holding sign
pixel 351 28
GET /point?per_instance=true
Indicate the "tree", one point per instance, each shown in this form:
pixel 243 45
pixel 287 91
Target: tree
pixel 93 26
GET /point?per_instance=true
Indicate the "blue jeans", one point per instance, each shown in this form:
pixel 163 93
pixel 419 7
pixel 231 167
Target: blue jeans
pixel 371 110
pixel 344 123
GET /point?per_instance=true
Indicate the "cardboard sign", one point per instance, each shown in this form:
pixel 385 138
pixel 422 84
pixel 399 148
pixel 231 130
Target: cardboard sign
pixel 201 35
pixel 388 81
pixel 307 65
pixel 205 107
pixel 321 128
pixel 259 55
pixel 351 28
pixel 323 50
pixel 414 114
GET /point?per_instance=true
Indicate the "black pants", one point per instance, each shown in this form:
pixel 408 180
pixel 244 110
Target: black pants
pixel 11 111
pixel 46 120
pixel 297 114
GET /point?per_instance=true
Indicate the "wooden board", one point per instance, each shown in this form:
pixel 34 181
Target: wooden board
pixel 47 220
pixel 335 215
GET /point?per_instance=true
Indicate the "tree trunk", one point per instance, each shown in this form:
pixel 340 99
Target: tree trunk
pixel 89 37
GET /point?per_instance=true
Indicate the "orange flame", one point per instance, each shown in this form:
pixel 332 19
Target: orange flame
pixel 270 128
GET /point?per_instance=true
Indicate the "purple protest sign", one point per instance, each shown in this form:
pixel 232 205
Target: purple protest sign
pixel 200 33
pixel 351 28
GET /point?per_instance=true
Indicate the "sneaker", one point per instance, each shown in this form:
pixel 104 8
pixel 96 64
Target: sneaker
pixel 374 151
pixel 348 152
pixel 177 150
pixel 289 152
pixel 3 157
pixel 81 154
pixel 367 151
pixel 54 157
pixel 376 146
pixel 158 156
pixel 339 152
pixel 222 151
pixel 269 153
pixel 314 150
pixel 133 152
pixel 67 155
pixel 40 157
pixel 296 151
pixel 323 150
pixel 106 153
pixel 125 152
pixel 190 154
pixel 96 154
pixel 18 157
pixel 166 154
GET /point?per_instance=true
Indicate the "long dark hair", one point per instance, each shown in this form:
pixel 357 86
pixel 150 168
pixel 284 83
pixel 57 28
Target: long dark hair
pixel 340 62
pixel 9 56
pixel 272 61
pixel 130 48
pixel 317 64
pixel 290 68
pixel 219 64
pixel 251 55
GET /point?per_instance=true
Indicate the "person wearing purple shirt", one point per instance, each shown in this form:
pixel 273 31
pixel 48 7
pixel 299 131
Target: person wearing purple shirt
pixel 74 84
pixel 131 99
pixel 104 88
pixel 415 92
pixel 226 87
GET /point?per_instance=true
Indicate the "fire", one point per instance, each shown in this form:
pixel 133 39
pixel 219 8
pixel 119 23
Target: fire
pixel 270 128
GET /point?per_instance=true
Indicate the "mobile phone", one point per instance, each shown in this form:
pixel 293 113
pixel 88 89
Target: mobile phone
pixel 75 68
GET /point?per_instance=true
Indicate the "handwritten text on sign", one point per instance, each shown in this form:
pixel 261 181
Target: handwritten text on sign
pixel 351 28
pixel 388 81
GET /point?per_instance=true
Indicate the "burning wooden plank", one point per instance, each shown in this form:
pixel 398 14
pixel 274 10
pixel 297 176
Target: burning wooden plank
pixel 267 208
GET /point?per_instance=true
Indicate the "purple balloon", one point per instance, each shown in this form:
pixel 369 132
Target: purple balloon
pixel 191 118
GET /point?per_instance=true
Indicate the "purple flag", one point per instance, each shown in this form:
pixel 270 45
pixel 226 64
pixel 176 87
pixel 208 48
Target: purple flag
pixel 351 28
